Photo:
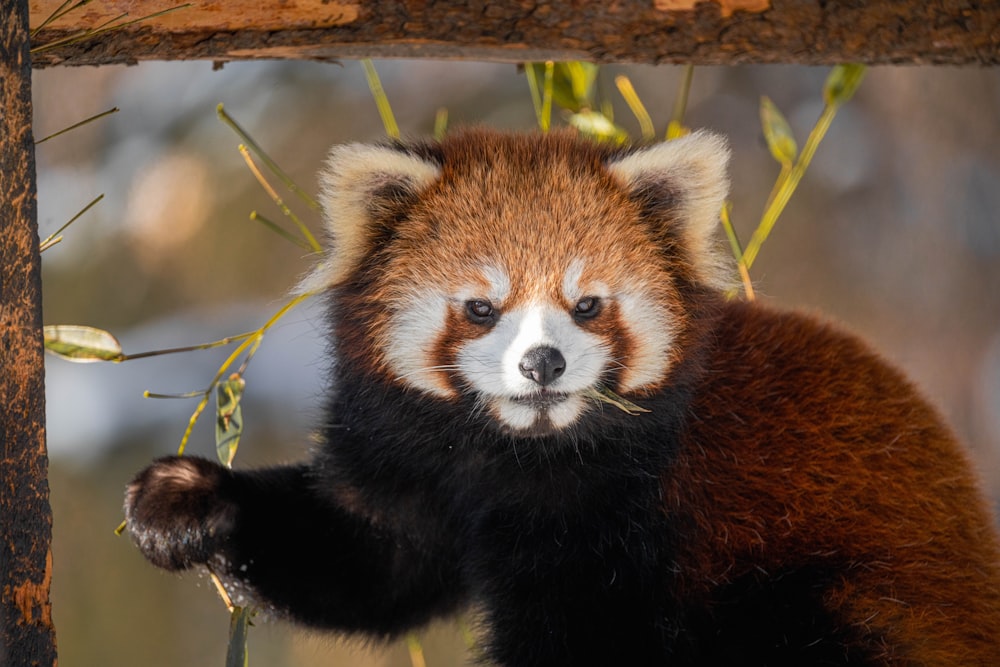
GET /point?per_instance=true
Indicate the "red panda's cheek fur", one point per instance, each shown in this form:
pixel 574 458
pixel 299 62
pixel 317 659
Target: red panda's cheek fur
pixel 649 324
pixel 358 321
pixel 457 331
pixel 390 328
pixel 409 338
pixel 619 343
pixel 421 326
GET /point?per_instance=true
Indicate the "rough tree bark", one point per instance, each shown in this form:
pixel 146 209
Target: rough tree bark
pixel 27 636
pixel 646 31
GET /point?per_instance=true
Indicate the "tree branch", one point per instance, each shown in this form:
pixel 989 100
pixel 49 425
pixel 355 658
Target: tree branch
pixel 643 31
pixel 27 636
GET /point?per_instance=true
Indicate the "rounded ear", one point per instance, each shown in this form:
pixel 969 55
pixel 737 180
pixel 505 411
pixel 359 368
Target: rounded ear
pixel 357 185
pixel 684 183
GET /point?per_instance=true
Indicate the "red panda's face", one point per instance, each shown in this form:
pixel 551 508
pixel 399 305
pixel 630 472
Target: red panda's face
pixel 529 345
pixel 521 270
pixel 533 361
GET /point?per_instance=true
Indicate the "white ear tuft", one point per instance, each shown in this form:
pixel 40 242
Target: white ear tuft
pixel 692 170
pixel 354 177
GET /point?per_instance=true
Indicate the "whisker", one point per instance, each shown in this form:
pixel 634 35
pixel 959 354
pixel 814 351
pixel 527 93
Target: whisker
pixel 441 368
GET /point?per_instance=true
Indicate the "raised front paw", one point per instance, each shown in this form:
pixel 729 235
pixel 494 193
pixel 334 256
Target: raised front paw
pixel 180 511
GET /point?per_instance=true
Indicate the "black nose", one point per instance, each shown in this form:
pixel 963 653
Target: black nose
pixel 542 365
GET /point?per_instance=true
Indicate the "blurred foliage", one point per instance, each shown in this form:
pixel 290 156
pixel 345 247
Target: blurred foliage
pixel 112 609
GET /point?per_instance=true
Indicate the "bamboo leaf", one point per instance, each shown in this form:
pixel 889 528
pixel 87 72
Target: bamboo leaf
pixel 251 342
pixel 228 418
pixel 605 395
pixel 440 123
pixel 308 238
pixel 627 90
pixel 55 237
pixel 842 83
pixel 239 627
pixel 547 94
pixel 108 26
pixel 185 395
pixel 540 82
pixel 79 124
pixel 777 133
pixel 280 231
pixel 596 125
pixel 58 13
pixel 82 344
pixel 381 99
pixel 265 158
pixel 188 348
pixel 573 85
pixel 676 128
pixel 734 244
pixel 560 86
pixel 192 420
pixel 531 71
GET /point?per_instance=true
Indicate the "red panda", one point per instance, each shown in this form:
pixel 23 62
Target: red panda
pixel 785 498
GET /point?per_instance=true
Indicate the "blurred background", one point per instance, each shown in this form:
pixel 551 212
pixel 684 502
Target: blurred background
pixel 895 232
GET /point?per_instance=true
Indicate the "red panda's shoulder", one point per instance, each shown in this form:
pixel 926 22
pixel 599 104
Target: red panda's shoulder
pixel 804 444
pixel 807 376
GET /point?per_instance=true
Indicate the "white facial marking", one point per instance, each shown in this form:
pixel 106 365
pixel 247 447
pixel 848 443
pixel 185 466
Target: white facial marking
pixel 571 280
pixel 530 333
pixel 498 290
pixel 499 283
pixel 652 334
pixel 491 365
pixel 563 414
pixel 411 341
pixel 518 416
pixel 573 291
pixel 491 362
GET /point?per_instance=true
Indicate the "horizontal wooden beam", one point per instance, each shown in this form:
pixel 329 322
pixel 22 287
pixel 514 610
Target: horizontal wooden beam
pixel 640 31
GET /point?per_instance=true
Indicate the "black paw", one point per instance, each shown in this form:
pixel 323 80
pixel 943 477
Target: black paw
pixel 180 511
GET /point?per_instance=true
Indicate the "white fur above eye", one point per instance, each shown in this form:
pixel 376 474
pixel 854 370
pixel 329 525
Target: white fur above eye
pixel 572 288
pixel 353 172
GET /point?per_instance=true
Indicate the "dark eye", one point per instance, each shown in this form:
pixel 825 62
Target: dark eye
pixel 480 311
pixel 587 307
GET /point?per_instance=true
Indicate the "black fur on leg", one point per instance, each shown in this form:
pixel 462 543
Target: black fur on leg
pixel 279 541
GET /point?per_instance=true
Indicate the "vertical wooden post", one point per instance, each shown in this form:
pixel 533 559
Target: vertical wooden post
pixel 27 635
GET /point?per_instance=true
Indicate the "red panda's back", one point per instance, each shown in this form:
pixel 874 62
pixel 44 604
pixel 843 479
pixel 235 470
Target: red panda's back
pixel 806 450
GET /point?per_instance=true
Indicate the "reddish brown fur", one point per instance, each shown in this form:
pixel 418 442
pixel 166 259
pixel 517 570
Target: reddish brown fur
pixel 777 467
pixel 501 196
